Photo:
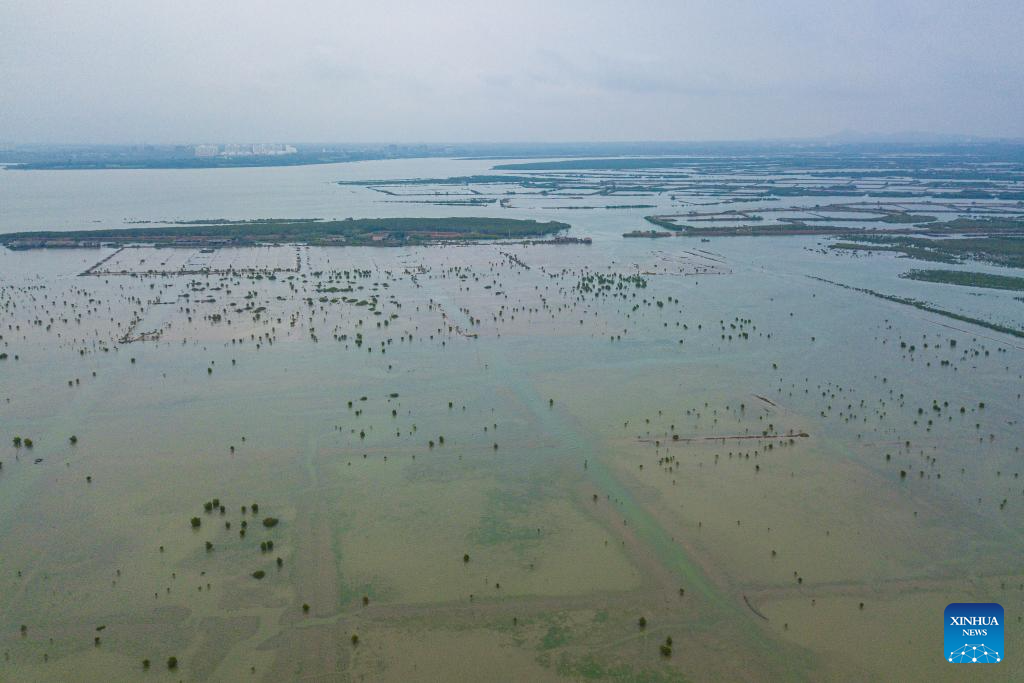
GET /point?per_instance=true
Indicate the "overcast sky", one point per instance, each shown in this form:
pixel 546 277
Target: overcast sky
pixel 321 70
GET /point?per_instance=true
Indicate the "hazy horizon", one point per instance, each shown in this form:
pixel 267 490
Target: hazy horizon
pixel 465 72
pixel 844 137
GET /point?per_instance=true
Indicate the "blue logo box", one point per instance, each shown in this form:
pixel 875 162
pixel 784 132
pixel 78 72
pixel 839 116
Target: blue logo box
pixel 974 633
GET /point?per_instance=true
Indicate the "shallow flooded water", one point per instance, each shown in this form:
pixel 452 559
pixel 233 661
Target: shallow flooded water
pixel 491 461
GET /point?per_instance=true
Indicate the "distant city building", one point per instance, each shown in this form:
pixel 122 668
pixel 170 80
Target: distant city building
pixel 271 149
pixel 259 149
pixel 207 150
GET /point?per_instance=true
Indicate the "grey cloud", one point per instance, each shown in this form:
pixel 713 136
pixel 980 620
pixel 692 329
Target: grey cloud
pixel 72 71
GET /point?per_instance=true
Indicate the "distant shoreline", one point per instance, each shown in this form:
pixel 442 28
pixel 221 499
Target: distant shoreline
pixel 536 156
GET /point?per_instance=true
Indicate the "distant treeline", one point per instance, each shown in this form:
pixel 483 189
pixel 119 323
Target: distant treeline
pixel 384 231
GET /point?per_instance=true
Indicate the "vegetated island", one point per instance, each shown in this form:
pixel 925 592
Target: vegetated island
pixel 966 278
pixel 924 225
pixel 648 233
pixel 1003 250
pixel 996 240
pixel 382 232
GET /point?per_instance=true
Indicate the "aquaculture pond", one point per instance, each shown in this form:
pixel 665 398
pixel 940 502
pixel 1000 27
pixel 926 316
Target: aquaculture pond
pixel 716 458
